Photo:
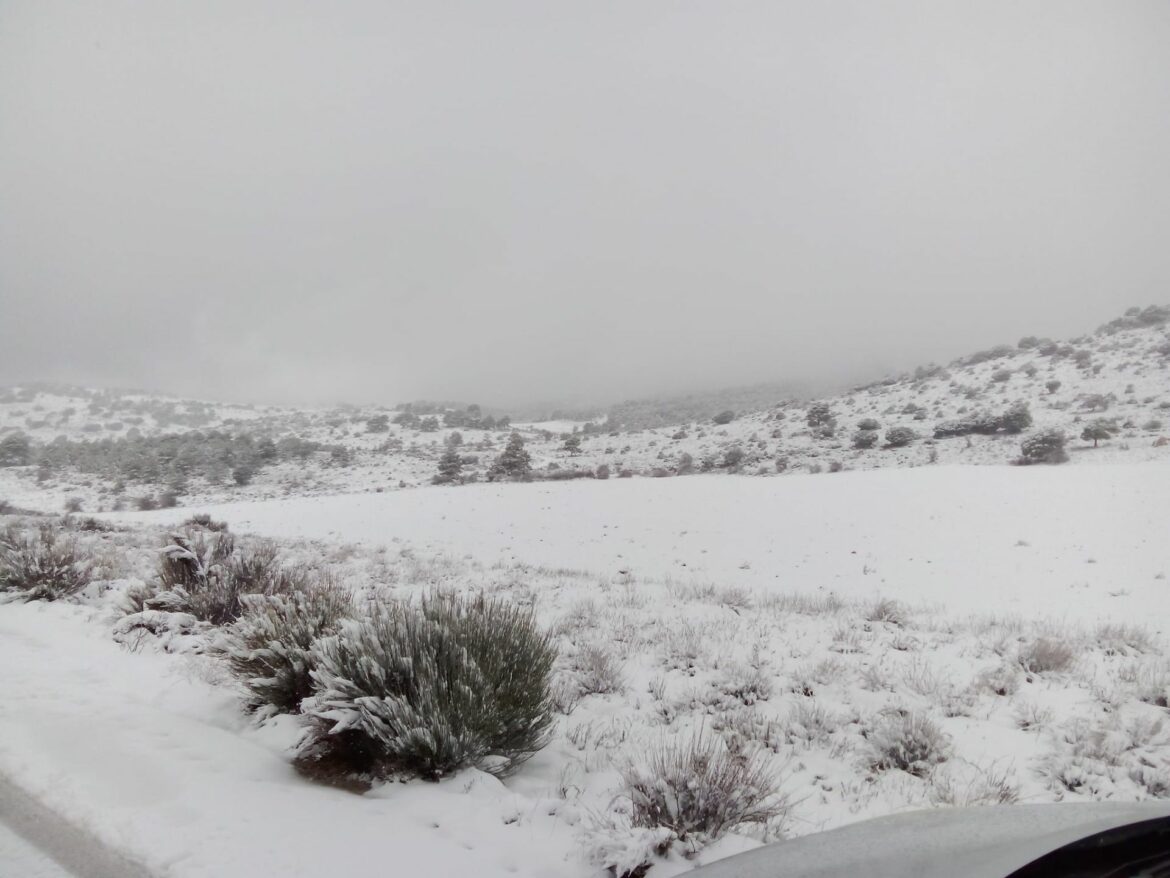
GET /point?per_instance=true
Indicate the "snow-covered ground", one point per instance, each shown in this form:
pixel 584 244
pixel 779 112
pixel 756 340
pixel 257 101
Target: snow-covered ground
pixel 745 608
pixel 1079 543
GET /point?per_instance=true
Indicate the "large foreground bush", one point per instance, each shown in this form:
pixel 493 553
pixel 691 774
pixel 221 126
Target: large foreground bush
pixel 424 689
pixel 44 565
pixel 269 648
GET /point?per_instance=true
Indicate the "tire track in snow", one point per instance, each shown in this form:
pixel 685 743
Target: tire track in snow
pixel 76 851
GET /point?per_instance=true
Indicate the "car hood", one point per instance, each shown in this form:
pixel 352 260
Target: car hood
pixel 989 842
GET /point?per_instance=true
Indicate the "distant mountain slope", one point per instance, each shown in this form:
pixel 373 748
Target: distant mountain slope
pixel 99 449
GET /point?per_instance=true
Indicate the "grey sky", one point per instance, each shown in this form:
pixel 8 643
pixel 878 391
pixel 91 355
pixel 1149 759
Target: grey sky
pixel 513 200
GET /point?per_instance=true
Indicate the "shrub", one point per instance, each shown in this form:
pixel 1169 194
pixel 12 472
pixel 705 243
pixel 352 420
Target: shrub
pixel 602 471
pixel 1017 418
pixel 597 670
pixel 1044 447
pixel 1001 375
pixel 900 437
pixel 724 417
pixel 205 521
pixel 428 688
pixel 269 647
pixel 203 574
pixel 699 790
pixel 1052 386
pixel 820 415
pixel 732 457
pixel 44 566
pixel 909 742
pixel 865 439
pixel 1045 654
pixel 868 424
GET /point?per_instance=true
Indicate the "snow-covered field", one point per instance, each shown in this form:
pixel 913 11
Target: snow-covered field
pixel 814 617
pixel 1077 543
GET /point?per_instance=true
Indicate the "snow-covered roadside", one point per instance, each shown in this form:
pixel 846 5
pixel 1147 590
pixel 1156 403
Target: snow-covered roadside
pixel 162 765
pixel 1076 543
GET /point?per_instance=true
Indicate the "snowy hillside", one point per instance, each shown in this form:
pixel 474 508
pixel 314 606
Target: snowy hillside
pixel 105 450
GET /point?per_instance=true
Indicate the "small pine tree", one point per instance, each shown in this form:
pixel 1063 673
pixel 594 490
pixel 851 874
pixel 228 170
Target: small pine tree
pixel 450 467
pixel 573 444
pixel 514 462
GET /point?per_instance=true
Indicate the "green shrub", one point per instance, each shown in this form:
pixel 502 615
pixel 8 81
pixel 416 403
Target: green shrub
pixel 424 689
pixel 44 566
pixel 269 647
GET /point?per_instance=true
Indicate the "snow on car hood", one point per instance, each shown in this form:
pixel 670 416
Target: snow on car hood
pixel 989 842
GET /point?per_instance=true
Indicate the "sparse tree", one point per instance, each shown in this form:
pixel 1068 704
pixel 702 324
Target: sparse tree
pixel 1098 430
pixel 573 444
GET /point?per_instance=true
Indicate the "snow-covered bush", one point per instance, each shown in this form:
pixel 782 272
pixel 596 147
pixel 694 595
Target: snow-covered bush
pixel 700 790
pixel 43 565
pixel 865 439
pixel 424 689
pixel 596 670
pixel 910 742
pixel 204 574
pixel 1045 655
pixel 1017 418
pixel 269 648
pixel 900 437
pixel 1044 447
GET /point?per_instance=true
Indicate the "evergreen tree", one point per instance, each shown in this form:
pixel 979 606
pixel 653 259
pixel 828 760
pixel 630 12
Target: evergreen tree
pixel 450 467
pixel 573 444
pixel 514 462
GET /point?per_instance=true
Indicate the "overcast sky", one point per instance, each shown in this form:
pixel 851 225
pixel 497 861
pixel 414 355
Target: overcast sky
pixel 506 201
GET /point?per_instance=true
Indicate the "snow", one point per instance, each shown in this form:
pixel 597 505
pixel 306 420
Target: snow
pixel 704 591
pixel 161 764
pixel 21 858
pixel 1038 541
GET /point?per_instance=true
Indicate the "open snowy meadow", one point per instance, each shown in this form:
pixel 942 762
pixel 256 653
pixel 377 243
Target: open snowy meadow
pixel 869 641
